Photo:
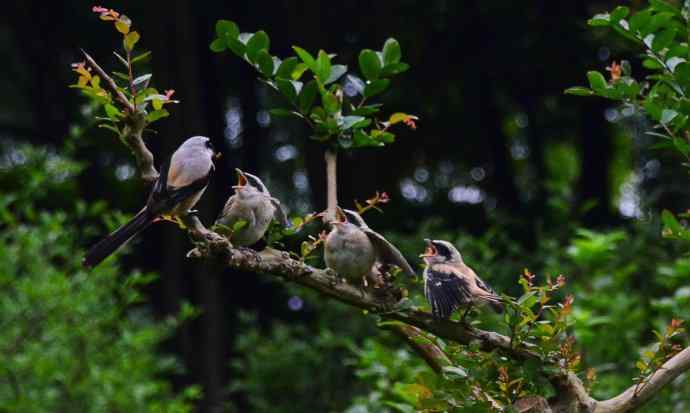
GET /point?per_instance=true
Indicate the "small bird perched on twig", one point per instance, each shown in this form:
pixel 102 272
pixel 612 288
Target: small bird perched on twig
pixel 253 205
pixel 450 284
pixel 353 250
pixel 181 183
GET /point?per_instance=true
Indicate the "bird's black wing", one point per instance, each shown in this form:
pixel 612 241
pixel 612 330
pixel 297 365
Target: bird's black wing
pixel 164 198
pixel 445 292
pixel 387 252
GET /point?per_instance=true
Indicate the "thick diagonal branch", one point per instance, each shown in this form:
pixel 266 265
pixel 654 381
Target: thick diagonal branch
pixel 135 123
pixel 629 400
pixel 436 358
pixel 384 303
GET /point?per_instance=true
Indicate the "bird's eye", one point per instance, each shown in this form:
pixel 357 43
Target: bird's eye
pixel 209 144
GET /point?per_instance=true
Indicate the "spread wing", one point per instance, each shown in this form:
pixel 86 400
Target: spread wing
pixel 485 292
pixel 387 252
pixel 280 214
pixel 445 291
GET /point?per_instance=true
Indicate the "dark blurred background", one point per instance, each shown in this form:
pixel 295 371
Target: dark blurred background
pixel 497 141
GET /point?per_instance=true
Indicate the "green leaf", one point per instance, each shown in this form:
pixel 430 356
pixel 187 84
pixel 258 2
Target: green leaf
pixel 639 22
pixel 391 52
pixel 299 71
pixel 600 20
pixel 662 5
pixel 663 40
pixel 239 225
pixel 367 110
pixel 336 72
pixel 596 81
pixel 579 91
pixel 620 12
pixel 369 64
pixel 383 136
pixel 287 89
pixel 330 102
pixel 323 66
pixel 361 140
pixel 265 63
pixel 394 69
pixel 218 45
pixel 307 96
pixel 652 109
pixel 226 29
pixel 307 58
pixel 141 57
pixel 287 67
pixel 281 112
pixel 667 115
pixel 376 87
pixel 236 46
pixel 157 114
pixel 350 121
pixel 682 74
pixel 112 112
pixel 259 41
pixel 131 40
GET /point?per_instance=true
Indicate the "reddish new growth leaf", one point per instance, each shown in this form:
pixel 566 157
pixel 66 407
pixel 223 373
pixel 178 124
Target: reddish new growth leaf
pixel 410 123
pixel 373 202
pixel 616 71
pixel 528 277
pixel 169 93
pixel 106 14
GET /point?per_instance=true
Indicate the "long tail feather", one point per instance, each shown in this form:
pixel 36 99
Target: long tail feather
pixel 112 242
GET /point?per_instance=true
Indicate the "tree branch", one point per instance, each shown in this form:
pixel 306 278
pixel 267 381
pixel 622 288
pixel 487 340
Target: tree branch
pixel 629 400
pixel 423 346
pixel 135 123
pixel 384 302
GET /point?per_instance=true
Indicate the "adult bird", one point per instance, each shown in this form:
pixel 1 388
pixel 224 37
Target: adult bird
pixel 182 182
pixel 252 205
pixel 356 252
pixel 450 284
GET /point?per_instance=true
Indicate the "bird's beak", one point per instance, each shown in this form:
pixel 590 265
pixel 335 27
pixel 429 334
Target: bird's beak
pixel 241 179
pixel 430 250
pixel 217 155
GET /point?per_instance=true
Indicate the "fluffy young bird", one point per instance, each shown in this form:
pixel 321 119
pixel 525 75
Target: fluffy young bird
pixel 355 251
pixel 181 183
pixel 253 204
pixel 450 284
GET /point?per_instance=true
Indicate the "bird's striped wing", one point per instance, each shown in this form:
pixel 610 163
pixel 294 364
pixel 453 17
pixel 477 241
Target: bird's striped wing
pixel 445 291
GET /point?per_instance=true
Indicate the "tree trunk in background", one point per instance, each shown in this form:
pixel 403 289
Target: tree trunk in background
pixel 177 59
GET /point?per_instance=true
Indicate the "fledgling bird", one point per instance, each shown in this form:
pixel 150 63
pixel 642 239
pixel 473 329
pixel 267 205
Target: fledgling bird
pixel 253 204
pixel 182 182
pixel 354 250
pixel 450 284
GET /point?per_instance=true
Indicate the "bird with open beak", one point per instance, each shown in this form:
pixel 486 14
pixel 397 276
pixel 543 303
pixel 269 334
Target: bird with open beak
pixel 252 204
pixel 450 284
pixel 354 250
